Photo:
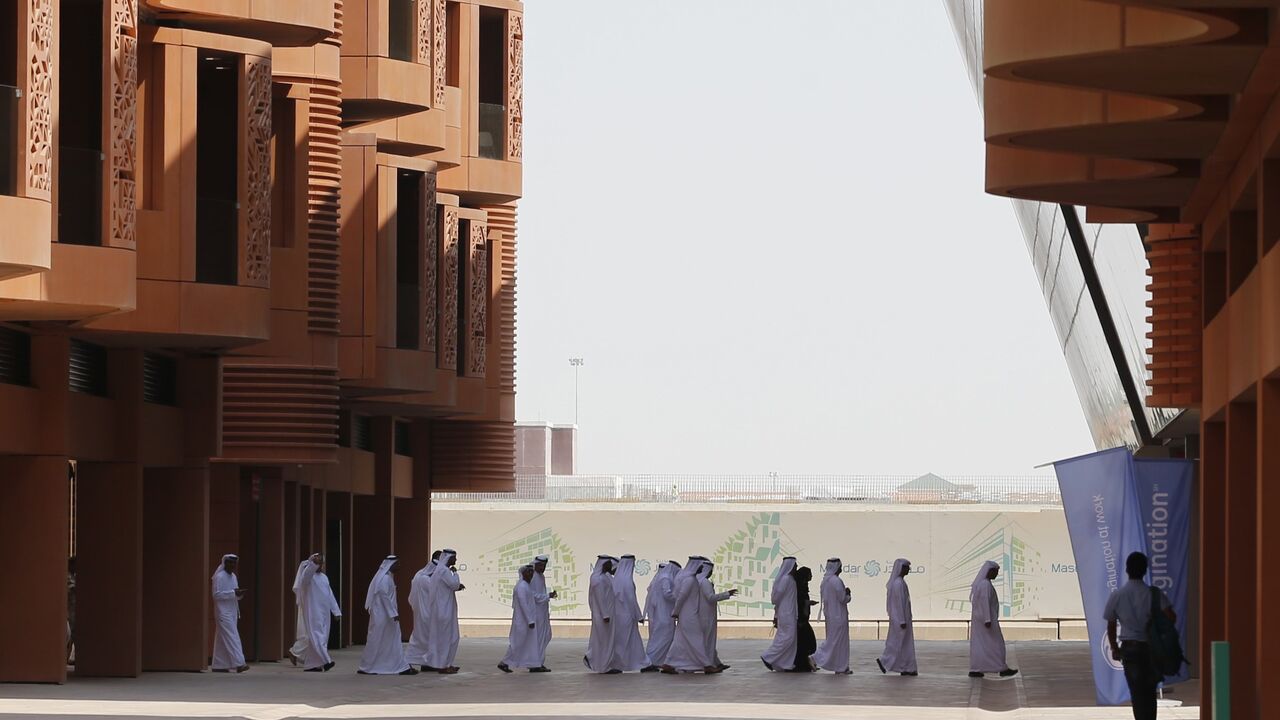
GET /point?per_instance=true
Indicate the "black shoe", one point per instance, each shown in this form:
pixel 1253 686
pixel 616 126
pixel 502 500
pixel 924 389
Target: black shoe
pixel 651 668
pixel 361 672
pixel 314 669
pixel 585 662
pixel 614 671
pixel 428 668
pixel 224 671
pixel 1008 672
pixel 504 667
pixel 975 674
pixel 909 674
pixel 770 667
pixel 881 666
pixel 540 669
pixel 722 666
pixel 329 665
pixel 242 668
pixel 410 671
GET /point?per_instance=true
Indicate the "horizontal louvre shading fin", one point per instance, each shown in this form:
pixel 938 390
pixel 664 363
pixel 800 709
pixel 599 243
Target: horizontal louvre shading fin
pixel 279 411
pixel 15 357
pixel 472 456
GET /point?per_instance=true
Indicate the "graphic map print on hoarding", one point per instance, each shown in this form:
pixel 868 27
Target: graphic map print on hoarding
pixel 1000 540
pixel 500 564
pixel 747 560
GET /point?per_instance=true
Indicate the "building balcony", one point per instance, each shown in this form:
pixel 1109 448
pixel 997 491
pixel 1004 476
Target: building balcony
pixel 392 59
pixel 285 23
pixel 26 247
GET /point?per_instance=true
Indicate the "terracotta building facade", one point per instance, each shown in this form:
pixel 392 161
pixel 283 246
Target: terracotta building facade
pixel 257 295
pixel 1166 114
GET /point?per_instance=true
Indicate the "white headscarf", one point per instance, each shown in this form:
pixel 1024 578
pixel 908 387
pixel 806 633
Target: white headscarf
pixel 541 559
pixel 897 570
pixel 297 579
pixel 833 566
pixel 784 570
pixel 520 579
pixel 982 579
pixel 223 564
pixel 383 569
pixel 446 556
pixel 600 561
pixel 625 581
pixel 425 572
pixel 690 569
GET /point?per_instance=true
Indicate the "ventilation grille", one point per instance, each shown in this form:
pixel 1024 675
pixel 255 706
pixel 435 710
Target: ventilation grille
pixel 159 379
pixel 88 371
pixel 360 433
pixel 15 357
pixel 279 412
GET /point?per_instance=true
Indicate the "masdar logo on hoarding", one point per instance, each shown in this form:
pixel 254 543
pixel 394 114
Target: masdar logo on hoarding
pixel 1104 647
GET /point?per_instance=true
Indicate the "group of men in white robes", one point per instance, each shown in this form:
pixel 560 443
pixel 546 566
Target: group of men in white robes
pixel 680 607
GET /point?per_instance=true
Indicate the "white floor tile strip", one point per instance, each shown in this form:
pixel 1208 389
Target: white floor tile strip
pixel 713 711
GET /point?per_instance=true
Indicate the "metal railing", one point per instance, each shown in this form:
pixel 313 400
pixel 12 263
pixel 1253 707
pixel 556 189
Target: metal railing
pixel 773 488
pixel 493 131
pixel 10 96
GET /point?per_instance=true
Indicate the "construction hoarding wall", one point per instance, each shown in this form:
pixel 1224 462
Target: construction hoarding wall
pixel 946 544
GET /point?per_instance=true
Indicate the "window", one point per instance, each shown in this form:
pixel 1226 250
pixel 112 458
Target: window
pixel 492 83
pixel 284 156
pixel 217 168
pixel 401 440
pixel 360 432
pixel 159 379
pixel 9 98
pixel 402 25
pixel 80 159
pixel 15 357
pixel 453 45
pixel 88 371
pixel 408 260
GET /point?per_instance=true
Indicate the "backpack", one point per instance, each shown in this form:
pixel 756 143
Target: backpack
pixel 1166 646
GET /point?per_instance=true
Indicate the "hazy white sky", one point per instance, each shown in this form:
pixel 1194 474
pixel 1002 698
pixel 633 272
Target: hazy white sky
pixel 762 226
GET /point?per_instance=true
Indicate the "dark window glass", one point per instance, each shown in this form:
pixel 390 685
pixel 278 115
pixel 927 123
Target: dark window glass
pixel 15 357
pixel 88 371
pixel 217 168
pixel 159 379
pixel 402 438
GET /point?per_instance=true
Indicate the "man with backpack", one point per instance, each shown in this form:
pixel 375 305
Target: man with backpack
pixel 1132 643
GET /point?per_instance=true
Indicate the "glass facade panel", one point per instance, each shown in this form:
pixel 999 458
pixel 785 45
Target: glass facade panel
pixel 1121 265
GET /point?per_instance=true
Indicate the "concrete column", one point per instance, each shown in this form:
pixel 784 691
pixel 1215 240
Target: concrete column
pixel 293 555
pixel 1268 584
pixel 34 511
pixel 1212 490
pixel 176 569
pixel 374 519
pixel 413 545
pixel 1241 568
pixel 109 568
pixel 274 590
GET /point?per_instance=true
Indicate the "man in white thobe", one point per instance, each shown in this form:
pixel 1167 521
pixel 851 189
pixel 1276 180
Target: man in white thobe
pixel 442 642
pixel 628 646
pixel 601 601
pixel 689 648
pixel 228 653
pixel 420 604
pixel 316 605
pixel 781 654
pixel 299 629
pixel 986 641
pixel 542 599
pixel 833 654
pixel 659 603
pixel 523 649
pixel 383 651
pixel 900 644
pixel 709 610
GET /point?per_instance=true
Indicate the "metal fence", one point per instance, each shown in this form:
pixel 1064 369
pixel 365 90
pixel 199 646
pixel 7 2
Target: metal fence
pixel 774 488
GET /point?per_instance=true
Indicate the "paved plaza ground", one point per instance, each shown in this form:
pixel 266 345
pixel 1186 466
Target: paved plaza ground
pixel 1055 683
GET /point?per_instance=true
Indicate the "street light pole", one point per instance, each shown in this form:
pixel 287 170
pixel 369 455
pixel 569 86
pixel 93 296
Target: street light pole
pixel 576 363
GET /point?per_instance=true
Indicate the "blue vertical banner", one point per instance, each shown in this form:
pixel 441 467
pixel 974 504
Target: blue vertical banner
pixel 1116 504
pixel 1163 491
pixel 1102 519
